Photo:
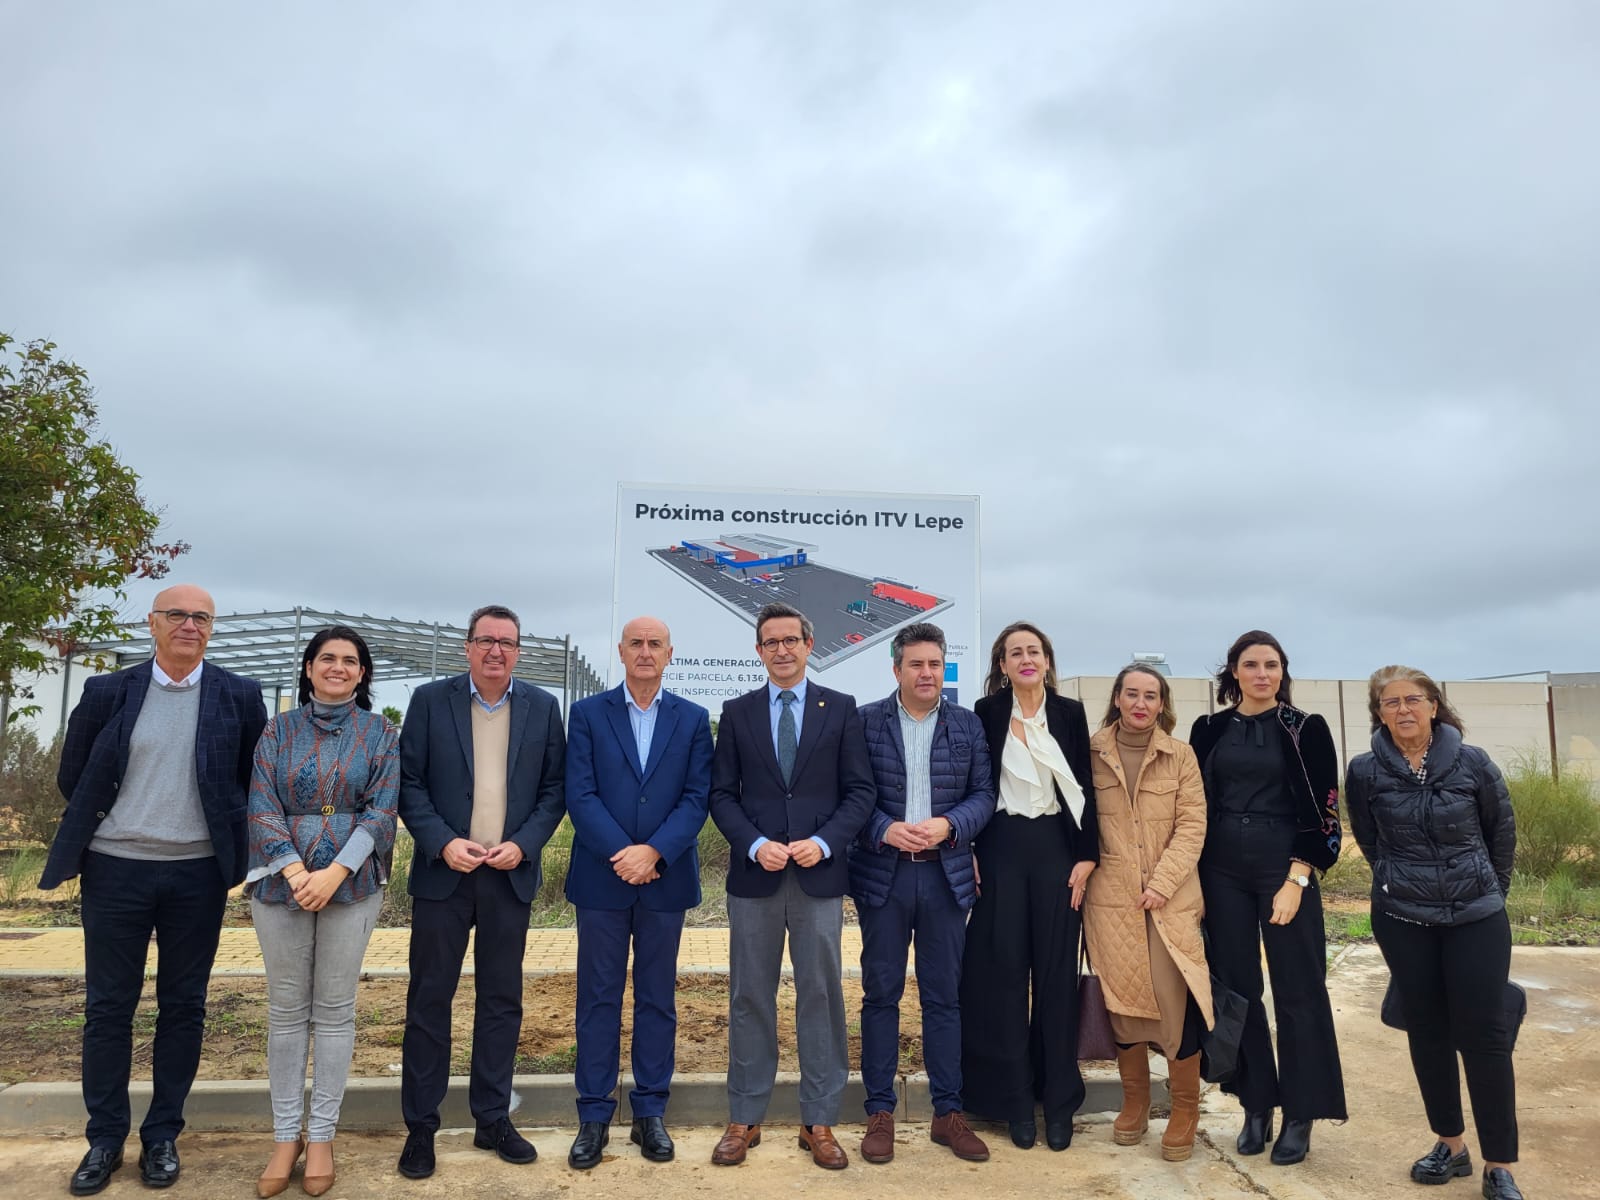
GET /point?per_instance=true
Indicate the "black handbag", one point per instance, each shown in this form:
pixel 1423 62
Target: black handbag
pixel 1393 1012
pixel 1219 1045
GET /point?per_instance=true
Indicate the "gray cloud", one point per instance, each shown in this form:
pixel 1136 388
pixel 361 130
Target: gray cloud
pixel 1246 314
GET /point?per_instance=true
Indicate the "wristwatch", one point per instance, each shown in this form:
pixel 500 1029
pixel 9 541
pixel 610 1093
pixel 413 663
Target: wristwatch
pixel 1299 880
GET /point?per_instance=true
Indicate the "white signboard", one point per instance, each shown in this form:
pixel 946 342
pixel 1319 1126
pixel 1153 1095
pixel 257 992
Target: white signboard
pixel 860 565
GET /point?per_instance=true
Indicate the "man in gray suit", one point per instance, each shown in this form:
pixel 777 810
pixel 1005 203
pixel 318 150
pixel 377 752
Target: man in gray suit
pixel 790 787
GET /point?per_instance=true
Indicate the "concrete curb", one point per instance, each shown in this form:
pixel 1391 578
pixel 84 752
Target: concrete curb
pixel 373 1105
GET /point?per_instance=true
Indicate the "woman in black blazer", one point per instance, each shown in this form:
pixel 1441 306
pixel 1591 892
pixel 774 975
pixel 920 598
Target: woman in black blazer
pixel 1033 862
pixel 1272 790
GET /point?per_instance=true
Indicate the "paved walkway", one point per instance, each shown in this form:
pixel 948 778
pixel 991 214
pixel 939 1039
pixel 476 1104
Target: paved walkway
pixel 549 952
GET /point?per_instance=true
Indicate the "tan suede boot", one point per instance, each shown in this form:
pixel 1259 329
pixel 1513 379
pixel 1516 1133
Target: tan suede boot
pixel 1133 1064
pixel 1183 1080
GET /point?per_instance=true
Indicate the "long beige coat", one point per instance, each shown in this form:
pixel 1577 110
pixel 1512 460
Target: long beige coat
pixel 1155 842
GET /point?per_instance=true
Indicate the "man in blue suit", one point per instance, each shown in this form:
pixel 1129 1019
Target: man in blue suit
pixel 481 773
pixel 638 779
pixel 156 772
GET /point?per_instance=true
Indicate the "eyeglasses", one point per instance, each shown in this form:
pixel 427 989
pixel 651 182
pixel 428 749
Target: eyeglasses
pixel 788 643
pixel 486 644
pixel 1392 703
pixel 177 616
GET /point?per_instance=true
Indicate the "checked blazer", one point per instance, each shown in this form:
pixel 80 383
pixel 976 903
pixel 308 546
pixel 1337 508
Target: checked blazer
pixel 95 756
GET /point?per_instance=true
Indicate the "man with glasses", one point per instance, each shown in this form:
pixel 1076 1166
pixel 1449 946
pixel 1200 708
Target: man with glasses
pixel 481 786
pixel 156 771
pixel 791 785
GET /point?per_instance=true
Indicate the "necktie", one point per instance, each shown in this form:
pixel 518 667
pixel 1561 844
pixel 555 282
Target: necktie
pixel 786 737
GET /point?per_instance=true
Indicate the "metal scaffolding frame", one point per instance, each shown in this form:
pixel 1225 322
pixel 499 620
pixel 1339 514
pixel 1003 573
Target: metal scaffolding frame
pixel 267 646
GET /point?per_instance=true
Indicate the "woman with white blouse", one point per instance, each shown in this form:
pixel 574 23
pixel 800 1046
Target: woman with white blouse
pixel 1019 986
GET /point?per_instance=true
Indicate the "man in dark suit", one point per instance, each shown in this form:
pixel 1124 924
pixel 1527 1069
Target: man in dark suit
pixel 638 778
pixel 911 876
pixel 790 787
pixel 156 772
pixel 481 772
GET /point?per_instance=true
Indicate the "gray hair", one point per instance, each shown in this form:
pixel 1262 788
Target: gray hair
pixel 917 631
pixel 777 609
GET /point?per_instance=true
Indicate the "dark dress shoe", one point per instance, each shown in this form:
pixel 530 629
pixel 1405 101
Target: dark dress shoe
pixel 650 1135
pixel 1294 1140
pixel 158 1164
pixel 416 1160
pixel 1023 1134
pixel 1058 1134
pixel 94 1172
pixel 502 1137
pixel 1498 1185
pixel 593 1137
pixel 1257 1129
pixel 1440 1165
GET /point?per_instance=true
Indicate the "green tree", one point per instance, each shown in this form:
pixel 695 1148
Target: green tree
pixel 73 526
pixel 394 714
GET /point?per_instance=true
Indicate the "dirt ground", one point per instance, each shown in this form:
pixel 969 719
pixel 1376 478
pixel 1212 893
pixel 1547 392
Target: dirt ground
pixel 41 1027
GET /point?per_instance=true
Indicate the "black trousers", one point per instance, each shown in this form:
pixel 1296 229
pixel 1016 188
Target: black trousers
pixel 1022 946
pixel 1452 980
pixel 439 930
pixel 124 901
pixel 1245 862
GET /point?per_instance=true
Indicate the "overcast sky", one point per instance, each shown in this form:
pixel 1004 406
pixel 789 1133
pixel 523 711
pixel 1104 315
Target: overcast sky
pixel 1233 314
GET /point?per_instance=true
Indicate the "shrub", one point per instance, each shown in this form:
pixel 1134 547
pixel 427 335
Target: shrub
pixel 396 909
pixel 1558 821
pixel 30 804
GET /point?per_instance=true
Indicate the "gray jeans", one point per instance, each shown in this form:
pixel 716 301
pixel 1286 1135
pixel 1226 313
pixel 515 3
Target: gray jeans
pixel 313 963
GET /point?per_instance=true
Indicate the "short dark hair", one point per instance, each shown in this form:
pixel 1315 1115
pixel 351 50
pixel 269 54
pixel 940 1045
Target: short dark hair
pixel 1228 690
pixel 777 609
pixel 997 653
pixel 498 611
pixel 338 633
pixel 917 631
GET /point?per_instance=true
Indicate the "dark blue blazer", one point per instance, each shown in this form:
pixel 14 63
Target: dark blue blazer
pixel 829 797
pixel 615 801
pixel 963 793
pixel 436 781
pixel 94 758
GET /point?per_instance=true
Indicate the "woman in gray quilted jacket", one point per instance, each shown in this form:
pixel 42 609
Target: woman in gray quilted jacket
pixel 1433 817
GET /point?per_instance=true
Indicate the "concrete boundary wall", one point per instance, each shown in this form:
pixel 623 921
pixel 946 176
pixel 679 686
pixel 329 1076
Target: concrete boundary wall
pixel 1508 719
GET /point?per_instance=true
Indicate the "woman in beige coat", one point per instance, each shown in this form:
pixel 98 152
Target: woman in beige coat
pixel 1143 908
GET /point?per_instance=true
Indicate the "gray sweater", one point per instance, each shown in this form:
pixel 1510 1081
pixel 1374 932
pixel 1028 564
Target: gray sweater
pixel 158 813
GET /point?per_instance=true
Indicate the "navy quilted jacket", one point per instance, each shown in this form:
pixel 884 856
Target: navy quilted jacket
pixel 963 793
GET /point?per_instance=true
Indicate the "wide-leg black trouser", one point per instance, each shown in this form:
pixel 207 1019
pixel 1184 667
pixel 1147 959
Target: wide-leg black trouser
pixel 1022 946
pixel 1245 862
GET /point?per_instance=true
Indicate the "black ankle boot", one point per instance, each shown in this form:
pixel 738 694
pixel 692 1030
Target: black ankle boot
pixel 1294 1141
pixel 1257 1129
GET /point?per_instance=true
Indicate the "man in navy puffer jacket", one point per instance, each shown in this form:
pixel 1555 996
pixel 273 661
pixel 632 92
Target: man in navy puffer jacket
pixel 911 870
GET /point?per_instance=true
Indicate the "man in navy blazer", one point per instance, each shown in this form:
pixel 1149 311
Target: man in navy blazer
pixel 481 774
pixel 638 779
pixel 156 772
pixel 791 786
pixel 911 877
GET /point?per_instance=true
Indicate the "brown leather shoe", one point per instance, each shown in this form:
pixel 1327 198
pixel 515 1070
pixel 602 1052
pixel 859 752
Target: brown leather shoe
pixel 952 1130
pixel 736 1139
pixel 825 1149
pixel 878 1145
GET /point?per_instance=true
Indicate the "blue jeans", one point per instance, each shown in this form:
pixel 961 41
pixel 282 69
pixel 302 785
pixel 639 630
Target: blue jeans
pixel 124 901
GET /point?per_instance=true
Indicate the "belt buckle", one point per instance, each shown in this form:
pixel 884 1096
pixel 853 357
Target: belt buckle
pixel 327 810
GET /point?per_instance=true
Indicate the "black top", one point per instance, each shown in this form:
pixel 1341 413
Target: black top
pixel 1247 769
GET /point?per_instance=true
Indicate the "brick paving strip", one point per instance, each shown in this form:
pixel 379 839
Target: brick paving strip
pixel 59 952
